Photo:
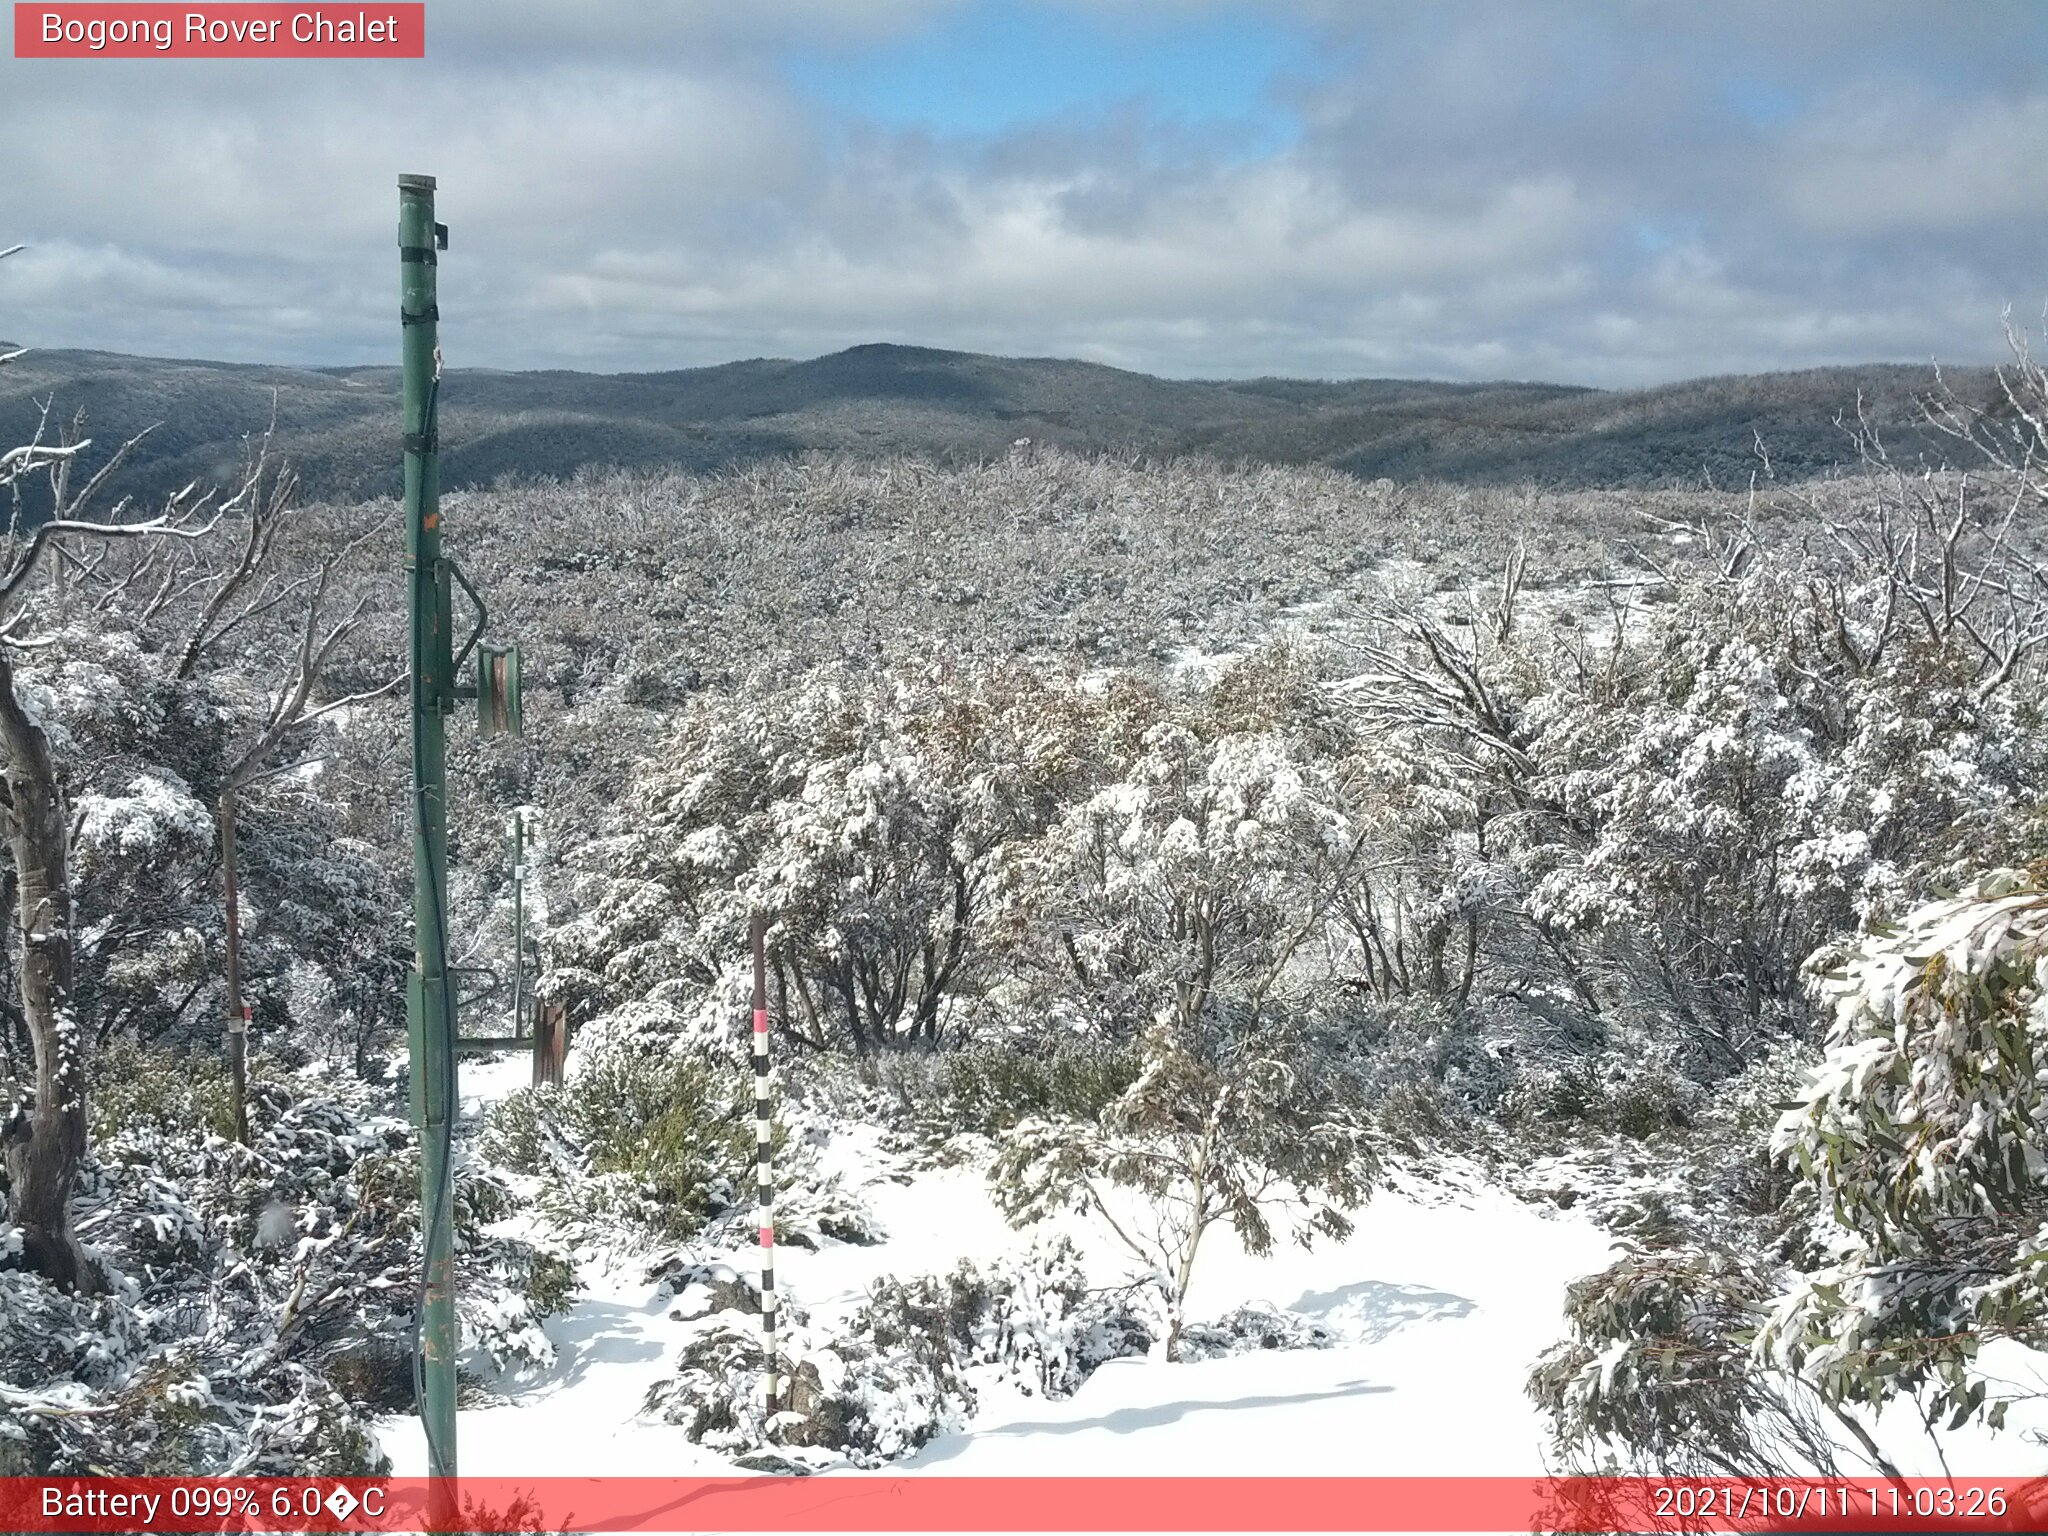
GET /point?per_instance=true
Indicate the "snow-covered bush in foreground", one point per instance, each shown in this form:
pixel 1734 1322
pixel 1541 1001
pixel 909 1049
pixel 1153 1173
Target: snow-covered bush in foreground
pixel 1238 1129
pixel 906 1365
pixel 1915 1231
pixel 1922 1134
pixel 1657 1370
pixel 640 1133
pixel 262 1294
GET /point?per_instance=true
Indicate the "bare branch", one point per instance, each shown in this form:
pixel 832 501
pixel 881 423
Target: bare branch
pixel 45 535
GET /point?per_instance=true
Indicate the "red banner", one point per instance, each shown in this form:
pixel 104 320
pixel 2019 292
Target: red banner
pixel 375 31
pixel 934 1502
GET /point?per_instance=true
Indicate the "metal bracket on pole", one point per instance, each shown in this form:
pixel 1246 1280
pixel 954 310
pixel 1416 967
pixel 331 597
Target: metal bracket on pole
pixel 483 618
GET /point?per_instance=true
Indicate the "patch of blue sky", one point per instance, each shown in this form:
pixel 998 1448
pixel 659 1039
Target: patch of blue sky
pixel 995 65
pixel 1763 103
pixel 1653 237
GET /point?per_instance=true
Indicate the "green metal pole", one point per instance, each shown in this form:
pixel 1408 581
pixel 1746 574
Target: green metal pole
pixel 430 1011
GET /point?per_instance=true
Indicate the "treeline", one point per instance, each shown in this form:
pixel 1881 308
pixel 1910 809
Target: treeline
pixel 878 401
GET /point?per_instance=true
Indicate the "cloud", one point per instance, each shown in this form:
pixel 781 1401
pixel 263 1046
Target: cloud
pixel 1598 193
pixel 1883 156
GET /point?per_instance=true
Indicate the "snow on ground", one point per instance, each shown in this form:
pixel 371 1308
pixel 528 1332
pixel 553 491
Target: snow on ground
pixel 479 1084
pixel 1442 1296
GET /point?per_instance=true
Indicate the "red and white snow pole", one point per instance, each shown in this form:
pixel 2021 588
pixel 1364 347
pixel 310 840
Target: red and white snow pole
pixel 764 1154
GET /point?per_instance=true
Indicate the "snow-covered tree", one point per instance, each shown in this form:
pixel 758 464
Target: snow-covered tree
pixel 1222 1128
pixel 872 813
pixel 45 1133
pixel 253 582
pixel 1921 1135
pixel 1189 890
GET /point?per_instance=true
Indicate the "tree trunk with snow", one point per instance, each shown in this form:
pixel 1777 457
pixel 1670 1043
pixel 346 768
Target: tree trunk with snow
pixel 46 1138
pixel 238 1023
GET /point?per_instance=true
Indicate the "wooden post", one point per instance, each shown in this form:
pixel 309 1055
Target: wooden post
pixel 764 1151
pixel 550 1043
pixel 540 1042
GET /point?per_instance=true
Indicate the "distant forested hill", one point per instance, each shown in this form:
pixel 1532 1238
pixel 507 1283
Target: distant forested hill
pixel 341 424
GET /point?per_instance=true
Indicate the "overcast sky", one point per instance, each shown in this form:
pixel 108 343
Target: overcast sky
pixel 1591 192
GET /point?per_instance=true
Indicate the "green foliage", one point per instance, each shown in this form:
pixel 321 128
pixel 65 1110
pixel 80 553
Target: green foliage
pixel 1216 1128
pixel 1658 1360
pixel 550 1283
pixel 373 1374
pixel 1921 1133
pixel 1639 1098
pixel 139 1089
pixel 989 1088
pixel 660 1139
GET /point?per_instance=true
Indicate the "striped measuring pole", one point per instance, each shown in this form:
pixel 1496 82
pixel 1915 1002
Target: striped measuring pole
pixel 764 1154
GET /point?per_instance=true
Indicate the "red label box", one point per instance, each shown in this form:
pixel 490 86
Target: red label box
pixel 238 31
pixel 927 1502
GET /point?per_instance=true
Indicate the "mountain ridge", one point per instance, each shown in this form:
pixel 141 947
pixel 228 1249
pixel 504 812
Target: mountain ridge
pixel 339 423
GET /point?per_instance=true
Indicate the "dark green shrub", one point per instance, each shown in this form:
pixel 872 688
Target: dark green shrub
pixel 990 1088
pixel 137 1088
pixel 660 1139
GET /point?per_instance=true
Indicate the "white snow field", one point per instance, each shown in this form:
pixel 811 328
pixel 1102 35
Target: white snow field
pixel 1445 1293
pixel 1442 1298
pixel 1442 1295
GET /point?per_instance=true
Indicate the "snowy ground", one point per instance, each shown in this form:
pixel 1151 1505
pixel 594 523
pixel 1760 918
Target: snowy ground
pixel 1442 1297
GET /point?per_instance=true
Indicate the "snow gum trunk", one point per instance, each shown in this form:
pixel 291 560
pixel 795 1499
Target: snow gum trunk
pixel 46 1146
pixel 238 1018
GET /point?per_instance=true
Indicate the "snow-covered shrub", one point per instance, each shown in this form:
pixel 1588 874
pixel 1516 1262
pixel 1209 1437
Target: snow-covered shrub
pixel 1637 1097
pixel 813 1206
pixel 523 1284
pixel 263 1293
pixel 654 1138
pixel 1034 1319
pixel 876 1391
pixel 1921 1133
pixel 1254 1326
pixel 1552 1092
pixel 904 1367
pixel 170 1091
pixel 1910 1224
pixel 524 1131
pixel 1657 1370
pixel 1219 1127
pixel 988 1087
pixel 1648 1095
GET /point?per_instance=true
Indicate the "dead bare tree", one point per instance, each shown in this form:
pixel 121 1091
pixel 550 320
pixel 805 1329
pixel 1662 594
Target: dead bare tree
pixel 1949 548
pixel 249 587
pixel 45 1131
